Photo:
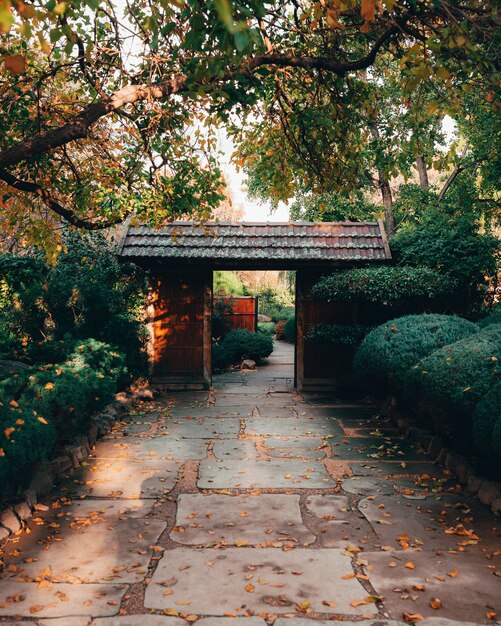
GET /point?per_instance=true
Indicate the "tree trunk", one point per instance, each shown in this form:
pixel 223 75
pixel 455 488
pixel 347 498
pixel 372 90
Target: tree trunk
pixel 385 188
pixel 423 172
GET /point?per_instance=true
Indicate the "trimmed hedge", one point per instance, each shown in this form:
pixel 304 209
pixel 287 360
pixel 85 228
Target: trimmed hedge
pixel 241 344
pixel 451 381
pixel 387 285
pixel 492 318
pixel 390 350
pixel 344 334
pixel 487 423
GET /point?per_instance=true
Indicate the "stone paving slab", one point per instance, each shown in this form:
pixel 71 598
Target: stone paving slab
pixel 59 600
pixel 162 447
pixel 302 443
pixel 199 428
pixel 125 479
pixel 274 412
pixel 286 474
pixel 328 506
pixel 308 622
pixel 284 453
pixel 236 449
pixel 215 582
pixel 211 411
pixel 395 468
pixel 393 516
pixel 101 541
pixel 361 485
pixel 374 448
pixel 140 620
pixel 465 597
pixel 232 621
pixel 342 413
pixel 291 426
pixel 209 519
pixel 65 621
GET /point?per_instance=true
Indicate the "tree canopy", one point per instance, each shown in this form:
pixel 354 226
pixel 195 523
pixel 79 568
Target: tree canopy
pixel 111 109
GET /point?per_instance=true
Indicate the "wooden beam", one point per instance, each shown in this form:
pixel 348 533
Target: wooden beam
pixel 207 330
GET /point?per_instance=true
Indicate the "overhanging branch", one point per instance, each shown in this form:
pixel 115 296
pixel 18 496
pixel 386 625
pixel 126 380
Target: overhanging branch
pixel 55 206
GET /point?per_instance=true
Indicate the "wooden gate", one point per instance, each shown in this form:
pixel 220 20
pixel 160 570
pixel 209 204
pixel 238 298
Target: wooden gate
pixel 180 327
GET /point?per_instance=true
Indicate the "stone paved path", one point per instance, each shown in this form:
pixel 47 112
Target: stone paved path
pixel 255 506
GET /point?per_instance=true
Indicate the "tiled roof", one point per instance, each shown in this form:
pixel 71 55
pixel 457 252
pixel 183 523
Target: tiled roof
pixel 300 242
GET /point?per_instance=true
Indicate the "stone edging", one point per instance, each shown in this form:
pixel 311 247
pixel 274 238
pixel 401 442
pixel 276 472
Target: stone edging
pixel 15 517
pixel 488 491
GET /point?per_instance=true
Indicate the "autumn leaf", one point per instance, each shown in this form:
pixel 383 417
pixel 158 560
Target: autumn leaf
pixel 249 588
pixel 15 63
pixel 436 603
pixel 36 608
pixel 329 603
pixel 42 420
pixel 410 565
pixel 368 10
pixel 453 573
pixel 8 432
pixel 412 617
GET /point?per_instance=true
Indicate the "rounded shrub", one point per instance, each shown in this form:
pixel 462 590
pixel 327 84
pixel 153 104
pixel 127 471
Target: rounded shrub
pixel 220 358
pixel 387 352
pixel 449 383
pixel 290 331
pixel 493 318
pixel 487 426
pixel 242 344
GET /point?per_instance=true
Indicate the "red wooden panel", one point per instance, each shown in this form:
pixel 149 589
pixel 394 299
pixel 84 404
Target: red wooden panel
pixel 244 312
pixel 178 325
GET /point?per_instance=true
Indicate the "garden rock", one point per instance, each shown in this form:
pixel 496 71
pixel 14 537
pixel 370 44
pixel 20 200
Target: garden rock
pixel 10 521
pixel 248 364
pixel 23 511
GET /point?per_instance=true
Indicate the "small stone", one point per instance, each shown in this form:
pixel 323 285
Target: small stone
pixel 42 481
pixel 30 497
pixel 4 533
pixel 92 436
pixel 489 492
pixel 123 399
pixel 474 483
pixel 435 447
pixel 451 461
pixel 23 511
pixel 10 521
pixel 248 364
pixel 463 472
pixel 61 464
pixel 496 507
pixel 143 393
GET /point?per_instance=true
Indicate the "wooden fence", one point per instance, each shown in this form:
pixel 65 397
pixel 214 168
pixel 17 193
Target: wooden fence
pixel 242 311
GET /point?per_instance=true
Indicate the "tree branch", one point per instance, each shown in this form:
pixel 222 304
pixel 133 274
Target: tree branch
pixel 78 127
pixel 54 205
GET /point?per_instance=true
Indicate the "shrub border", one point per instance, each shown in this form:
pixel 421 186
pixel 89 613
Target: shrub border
pixel 487 491
pixel 15 517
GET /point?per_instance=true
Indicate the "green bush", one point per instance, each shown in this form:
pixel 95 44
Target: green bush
pixel 390 350
pixel 45 308
pixel 220 358
pixel 487 426
pixel 450 382
pixel 387 285
pixel 227 284
pixel 290 330
pixel 25 439
pixel 492 318
pixel 242 344
pixel 267 328
pixel 344 334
